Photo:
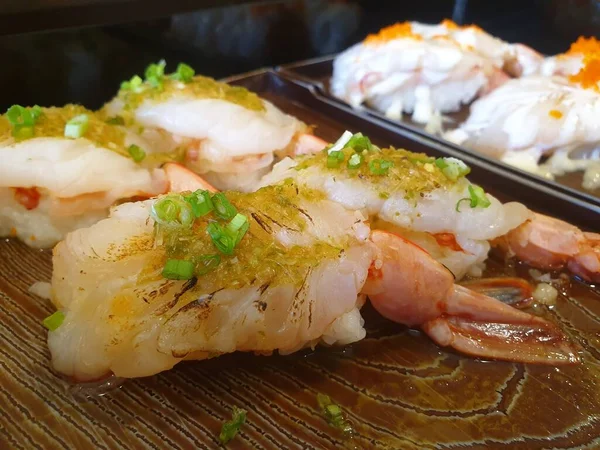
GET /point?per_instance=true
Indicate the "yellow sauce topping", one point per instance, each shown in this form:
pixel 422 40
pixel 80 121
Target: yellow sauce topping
pixel 52 121
pixel 555 114
pixel 198 87
pixel 410 173
pixel 259 258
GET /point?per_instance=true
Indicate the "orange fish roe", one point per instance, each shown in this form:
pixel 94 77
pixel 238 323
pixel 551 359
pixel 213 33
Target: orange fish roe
pixel 589 75
pixel 585 46
pixel 555 113
pixel 398 30
pixel 449 24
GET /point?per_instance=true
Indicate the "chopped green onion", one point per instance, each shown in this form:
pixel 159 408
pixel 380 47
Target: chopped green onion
pixel 380 166
pixel 132 85
pixel 77 126
pixel 221 238
pixel 183 73
pixel 340 144
pixel 335 158
pixel 334 414
pixel 452 168
pixel 22 120
pixel 355 161
pixel 117 120
pixel 155 73
pixel 178 269
pixel 238 227
pixel 54 321
pixel 423 160
pixel 136 153
pixel 358 142
pixel 201 202
pixel 231 427
pixel 172 210
pixel 476 198
pixel 223 208
pixel 206 263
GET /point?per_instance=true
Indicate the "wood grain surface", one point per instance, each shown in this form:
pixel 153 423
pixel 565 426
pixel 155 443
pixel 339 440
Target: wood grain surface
pixel 399 390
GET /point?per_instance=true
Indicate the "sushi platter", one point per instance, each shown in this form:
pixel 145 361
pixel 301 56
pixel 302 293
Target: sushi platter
pixel 387 386
pixel 450 127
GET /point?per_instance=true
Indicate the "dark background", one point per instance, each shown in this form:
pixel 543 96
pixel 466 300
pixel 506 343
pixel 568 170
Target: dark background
pixel 59 51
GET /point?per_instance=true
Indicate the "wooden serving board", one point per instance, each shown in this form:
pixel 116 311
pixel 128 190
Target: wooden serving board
pixel 398 389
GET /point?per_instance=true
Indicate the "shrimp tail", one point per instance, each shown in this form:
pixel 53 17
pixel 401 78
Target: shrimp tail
pixel 481 326
pixel 182 179
pixel 408 286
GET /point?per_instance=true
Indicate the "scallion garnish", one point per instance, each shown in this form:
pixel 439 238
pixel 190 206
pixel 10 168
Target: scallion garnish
pixel 452 168
pixel 340 144
pixel 476 198
pixel 238 227
pixel 380 166
pixel 137 154
pixel 77 126
pixel 132 85
pixel 117 120
pixel 206 263
pixel 334 414
pixel 54 321
pixel 155 73
pixel 335 158
pixel 201 202
pixel 172 211
pixel 221 238
pixel 358 142
pixel 231 427
pixel 183 73
pixel 178 269
pixel 355 161
pixel 223 207
pixel 22 120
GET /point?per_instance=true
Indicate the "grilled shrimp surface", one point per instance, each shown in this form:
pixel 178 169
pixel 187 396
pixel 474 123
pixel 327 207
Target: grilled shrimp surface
pixel 414 199
pixel 294 280
pixel 226 133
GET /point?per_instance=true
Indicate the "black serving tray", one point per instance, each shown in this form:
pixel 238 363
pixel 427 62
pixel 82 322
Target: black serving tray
pixel 307 101
pixel 317 73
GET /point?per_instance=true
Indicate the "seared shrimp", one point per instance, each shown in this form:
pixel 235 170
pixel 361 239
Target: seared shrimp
pixel 408 286
pixel 226 133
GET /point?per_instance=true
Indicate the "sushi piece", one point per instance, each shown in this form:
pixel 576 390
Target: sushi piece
pixel 543 125
pixel 430 202
pixel 411 194
pixel 425 69
pixel 194 276
pixel 573 60
pixel 226 133
pixel 62 168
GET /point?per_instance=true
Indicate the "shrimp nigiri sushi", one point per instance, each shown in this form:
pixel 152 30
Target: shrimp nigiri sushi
pixel 226 133
pixel 543 124
pixel 421 198
pixel 430 202
pixel 193 276
pixel 62 168
pixel 425 69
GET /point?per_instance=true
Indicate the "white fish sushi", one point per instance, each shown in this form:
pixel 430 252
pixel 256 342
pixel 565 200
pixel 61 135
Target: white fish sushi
pixel 426 69
pixel 544 125
pixel 153 285
pixel 226 133
pixel 424 199
pixel 62 168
